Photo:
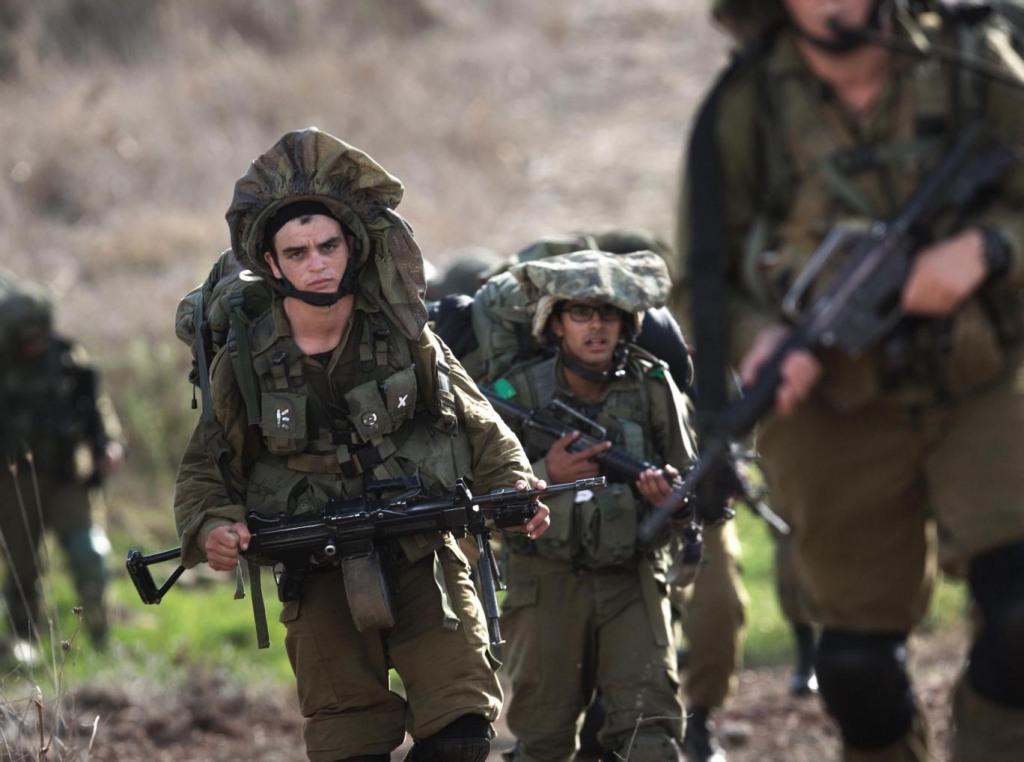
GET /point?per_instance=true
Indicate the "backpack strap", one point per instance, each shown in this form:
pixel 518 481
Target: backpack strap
pixel 240 351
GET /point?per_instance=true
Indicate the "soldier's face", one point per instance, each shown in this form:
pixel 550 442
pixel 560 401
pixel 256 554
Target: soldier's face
pixel 812 16
pixel 587 334
pixel 312 253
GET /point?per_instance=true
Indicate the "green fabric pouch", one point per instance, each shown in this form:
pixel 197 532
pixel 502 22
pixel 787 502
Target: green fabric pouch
pixel 283 422
pixel 367 411
pixel 608 526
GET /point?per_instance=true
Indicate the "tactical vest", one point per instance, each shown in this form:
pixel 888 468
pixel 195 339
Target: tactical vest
pixel 48 409
pixel 599 529
pixel 815 177
pixel 326 443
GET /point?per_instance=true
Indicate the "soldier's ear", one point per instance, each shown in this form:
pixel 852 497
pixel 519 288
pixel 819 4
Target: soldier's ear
pixel 555 325
pixel 271 260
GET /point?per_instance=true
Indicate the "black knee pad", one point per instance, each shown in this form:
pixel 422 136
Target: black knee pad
pixel 996 670
pixel 864 682
pixel 467 739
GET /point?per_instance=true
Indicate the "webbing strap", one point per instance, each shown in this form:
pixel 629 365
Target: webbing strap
pixel 240 349
pixel 708 258
pixel 259 609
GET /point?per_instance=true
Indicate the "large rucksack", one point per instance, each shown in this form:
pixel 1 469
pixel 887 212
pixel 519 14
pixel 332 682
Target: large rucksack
pixel 230 299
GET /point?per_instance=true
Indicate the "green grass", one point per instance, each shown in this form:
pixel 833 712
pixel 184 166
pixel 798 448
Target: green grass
pixel 200 625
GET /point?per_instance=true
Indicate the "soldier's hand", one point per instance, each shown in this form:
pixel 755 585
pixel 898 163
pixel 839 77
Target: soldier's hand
pixel 800 369
pixel 113 456
pixel 656 485
pixel 945 274
pixel 223 545
pixel 565 466
pixel 541 520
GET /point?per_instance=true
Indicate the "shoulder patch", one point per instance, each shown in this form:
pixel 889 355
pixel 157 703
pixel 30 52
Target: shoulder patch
pixel 658 371
pixel 504 389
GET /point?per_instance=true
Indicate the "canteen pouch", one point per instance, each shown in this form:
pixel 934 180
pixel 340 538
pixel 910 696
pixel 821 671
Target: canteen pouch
pixel 369 592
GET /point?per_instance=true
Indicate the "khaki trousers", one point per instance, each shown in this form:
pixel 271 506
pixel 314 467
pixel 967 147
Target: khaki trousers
pixel 342 674
pixel 570 633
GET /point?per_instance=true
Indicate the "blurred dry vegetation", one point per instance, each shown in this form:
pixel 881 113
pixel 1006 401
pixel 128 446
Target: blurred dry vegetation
pixel 125 124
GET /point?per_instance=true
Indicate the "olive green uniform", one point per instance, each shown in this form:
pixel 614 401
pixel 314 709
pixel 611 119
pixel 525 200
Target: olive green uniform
pixel 50 412
pixel 438 643
pixel 712 616
pixel 587 607
pixel 934 446
pixel 284 432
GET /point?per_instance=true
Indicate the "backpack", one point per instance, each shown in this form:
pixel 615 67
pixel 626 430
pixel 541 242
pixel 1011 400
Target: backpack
pixel 229 301
pixel 503 327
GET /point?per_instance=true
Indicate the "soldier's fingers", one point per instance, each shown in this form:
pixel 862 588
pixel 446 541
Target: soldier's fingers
pixel 540 522
pixel 590 452
pixel 562 442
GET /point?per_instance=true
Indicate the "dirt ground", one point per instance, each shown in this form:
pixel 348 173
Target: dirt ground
pixel 211 722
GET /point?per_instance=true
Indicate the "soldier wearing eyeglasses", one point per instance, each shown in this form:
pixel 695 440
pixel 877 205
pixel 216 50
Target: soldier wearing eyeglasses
pixel 587 608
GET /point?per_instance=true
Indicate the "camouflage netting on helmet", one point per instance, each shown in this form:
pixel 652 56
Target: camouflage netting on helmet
pixel 313 165
pixel 24 308
pixel 632 282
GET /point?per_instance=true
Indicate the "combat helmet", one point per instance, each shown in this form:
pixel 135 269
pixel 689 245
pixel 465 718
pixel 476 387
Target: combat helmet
pixel 314 166
pixel 26 310
pixel 470 267
pixel 746 20
pixel 632 282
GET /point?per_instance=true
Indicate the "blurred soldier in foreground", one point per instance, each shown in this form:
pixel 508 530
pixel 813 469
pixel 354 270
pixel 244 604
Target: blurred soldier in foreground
pixel 57 432
pixel 587 606
pixel 341 389
pixel 871 454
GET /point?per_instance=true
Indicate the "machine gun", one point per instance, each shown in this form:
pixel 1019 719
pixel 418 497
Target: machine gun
pixel 860 305
pixel 297 544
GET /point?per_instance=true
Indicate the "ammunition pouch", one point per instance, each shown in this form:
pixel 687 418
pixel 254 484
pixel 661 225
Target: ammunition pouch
pixel 608 524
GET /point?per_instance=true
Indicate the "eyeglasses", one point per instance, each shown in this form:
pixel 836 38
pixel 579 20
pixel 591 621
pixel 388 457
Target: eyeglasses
pixel 583 313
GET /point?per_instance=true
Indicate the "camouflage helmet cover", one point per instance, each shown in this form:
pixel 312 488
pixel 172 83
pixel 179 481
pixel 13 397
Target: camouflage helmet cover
pixel 632 282
pixel 314 165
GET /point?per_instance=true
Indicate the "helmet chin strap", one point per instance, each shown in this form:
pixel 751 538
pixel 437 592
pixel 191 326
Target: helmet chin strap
pixel 618 369
pixel 845 40
pixel 316 298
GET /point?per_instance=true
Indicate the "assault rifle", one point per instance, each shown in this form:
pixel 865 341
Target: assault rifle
pixel 860 305
pixel 558 419
pixel 296 544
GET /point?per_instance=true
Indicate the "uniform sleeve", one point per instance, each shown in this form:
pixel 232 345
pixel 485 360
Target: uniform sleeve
pixel 1005 114
pixel 108 426
pixel 201 499
pixel 498 458
pixel 669 422
pixel 739 191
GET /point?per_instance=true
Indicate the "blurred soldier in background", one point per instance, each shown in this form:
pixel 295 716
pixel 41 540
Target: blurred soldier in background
pixel 870 455
pixel 60 436
pixel 466 272
pixel 587 606
pixel 798 611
